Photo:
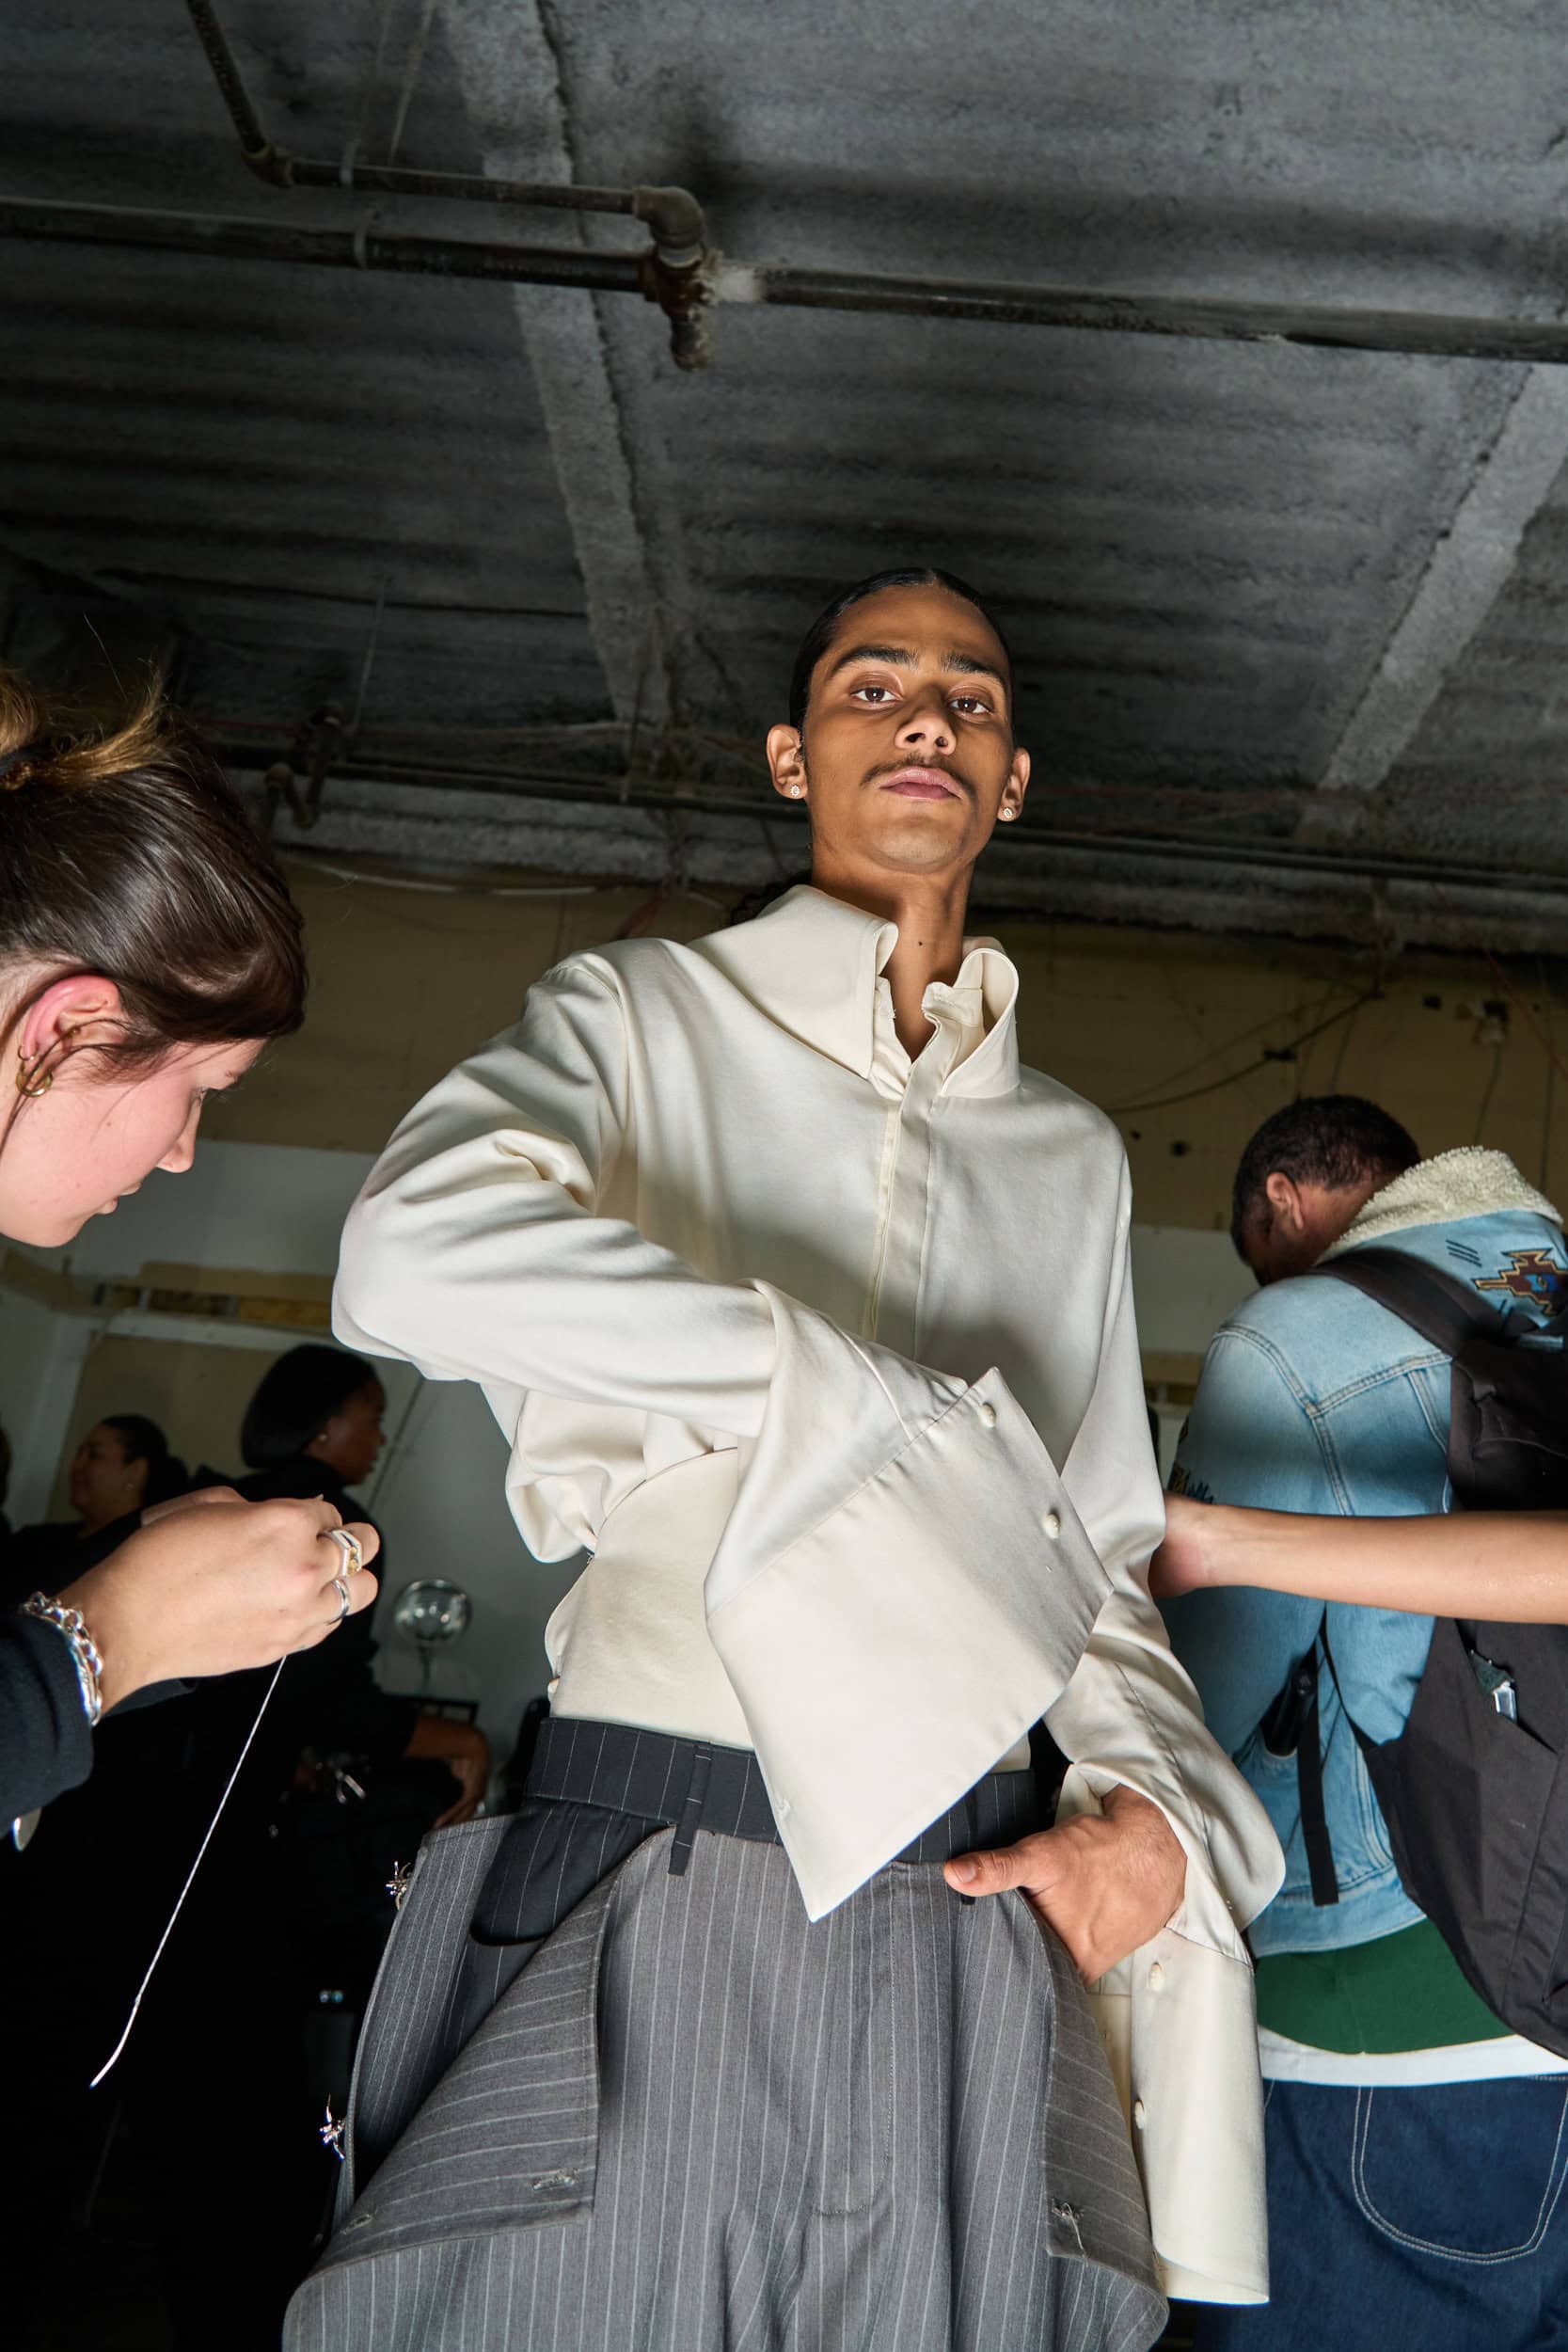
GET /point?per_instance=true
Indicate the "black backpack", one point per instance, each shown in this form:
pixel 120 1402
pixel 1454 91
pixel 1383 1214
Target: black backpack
pixel 1475 1788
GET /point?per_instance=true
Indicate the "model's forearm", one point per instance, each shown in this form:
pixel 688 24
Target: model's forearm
pixel 1512 1568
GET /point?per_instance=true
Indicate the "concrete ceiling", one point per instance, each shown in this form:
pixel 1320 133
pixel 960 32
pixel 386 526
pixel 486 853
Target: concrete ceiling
pixel 1289 621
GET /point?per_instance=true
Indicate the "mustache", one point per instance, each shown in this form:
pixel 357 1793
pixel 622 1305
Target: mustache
pixel 936 767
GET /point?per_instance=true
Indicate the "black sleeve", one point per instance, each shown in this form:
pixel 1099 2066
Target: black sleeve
pixel 45 1739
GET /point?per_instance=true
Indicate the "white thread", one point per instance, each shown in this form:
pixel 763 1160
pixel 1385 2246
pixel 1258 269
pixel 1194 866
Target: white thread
pixel 195 1866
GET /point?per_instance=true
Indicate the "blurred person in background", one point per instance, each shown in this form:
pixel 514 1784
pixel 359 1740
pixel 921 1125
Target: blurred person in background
pixel 262 1988
pixel 314 1428
pixel 122 1467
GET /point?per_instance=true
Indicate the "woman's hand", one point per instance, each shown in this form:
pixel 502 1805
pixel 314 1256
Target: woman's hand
pixel 1182 1563
pixel 210 1590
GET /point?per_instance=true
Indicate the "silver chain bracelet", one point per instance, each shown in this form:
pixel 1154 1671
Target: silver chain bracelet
pixel 84 1649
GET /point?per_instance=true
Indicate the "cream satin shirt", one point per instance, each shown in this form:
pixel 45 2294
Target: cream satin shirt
pixel 828 1357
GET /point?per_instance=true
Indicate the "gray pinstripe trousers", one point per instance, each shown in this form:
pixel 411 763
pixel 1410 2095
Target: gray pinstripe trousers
pixel 684 2118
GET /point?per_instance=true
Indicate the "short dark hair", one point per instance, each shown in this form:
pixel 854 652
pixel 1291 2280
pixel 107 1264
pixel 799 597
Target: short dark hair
pixel 144 1441
pixel 815 644
pixel 1331 1140
pixel 295 1398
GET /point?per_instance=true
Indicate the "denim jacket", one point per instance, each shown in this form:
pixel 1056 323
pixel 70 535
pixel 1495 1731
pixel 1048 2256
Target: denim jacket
pixel 1314 1398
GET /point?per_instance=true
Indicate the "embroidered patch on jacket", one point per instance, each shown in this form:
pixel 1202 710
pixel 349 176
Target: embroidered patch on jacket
pixel 1534 1274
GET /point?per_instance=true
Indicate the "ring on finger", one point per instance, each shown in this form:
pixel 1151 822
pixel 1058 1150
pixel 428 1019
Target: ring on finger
pixel 340 1587
pixel 348 1543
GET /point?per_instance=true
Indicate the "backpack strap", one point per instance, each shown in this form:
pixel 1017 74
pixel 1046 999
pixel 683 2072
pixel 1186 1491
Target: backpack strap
pixel 1445 1311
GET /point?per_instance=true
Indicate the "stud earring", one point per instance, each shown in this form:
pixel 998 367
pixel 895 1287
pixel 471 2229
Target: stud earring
pixel 1008 815
pixel 797 791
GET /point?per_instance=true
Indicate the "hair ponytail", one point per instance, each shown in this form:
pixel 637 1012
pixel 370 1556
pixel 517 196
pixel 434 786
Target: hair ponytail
pixel 125 854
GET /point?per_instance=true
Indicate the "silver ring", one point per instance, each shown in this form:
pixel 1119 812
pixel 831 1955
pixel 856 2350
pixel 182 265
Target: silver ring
pixel 341 1584
pixel 348 1543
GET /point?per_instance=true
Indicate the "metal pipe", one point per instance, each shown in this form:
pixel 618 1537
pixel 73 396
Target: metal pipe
pixel 226 73
pixel 1044 839
pixel 1431 334
pixel 1412 333
pixel 673 216
pixel 365 247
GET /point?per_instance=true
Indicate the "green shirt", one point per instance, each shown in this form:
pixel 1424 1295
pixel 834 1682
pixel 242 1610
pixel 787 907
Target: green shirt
pixel 1401 1991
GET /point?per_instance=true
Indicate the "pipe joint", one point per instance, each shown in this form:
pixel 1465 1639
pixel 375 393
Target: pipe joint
pixel 685 293
pixel 274 165
pixel 675 222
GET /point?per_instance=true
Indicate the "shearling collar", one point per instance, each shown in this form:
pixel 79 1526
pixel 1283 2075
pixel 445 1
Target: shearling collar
pixel 1469 1181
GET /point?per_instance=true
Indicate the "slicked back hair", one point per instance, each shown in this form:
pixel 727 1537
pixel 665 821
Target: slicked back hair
pixel 822 631
pixel 1335 1140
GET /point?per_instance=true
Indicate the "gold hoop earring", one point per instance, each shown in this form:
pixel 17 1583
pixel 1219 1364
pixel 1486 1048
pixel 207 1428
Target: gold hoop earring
pixel 27 1079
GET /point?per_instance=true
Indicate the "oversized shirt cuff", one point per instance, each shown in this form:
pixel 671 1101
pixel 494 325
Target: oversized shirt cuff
pixel 888 1656
pixel 1178 2022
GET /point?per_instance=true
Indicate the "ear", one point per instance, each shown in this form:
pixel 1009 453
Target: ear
pixel 1017 784
pixel 786 761
pixel 85 1010
pixel 1286 1201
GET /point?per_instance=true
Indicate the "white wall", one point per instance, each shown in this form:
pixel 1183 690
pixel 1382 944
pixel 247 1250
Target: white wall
pixel 1184 1284
pixel 41 1353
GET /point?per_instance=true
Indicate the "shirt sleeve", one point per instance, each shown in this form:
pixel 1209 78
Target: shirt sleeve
pixel 477 1250
pixel 1177 2017
pixel 1130 1712
pixel 45 1738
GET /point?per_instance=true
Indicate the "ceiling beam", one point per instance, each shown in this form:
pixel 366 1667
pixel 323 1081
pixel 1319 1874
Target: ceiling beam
pixel 509 74
pixel 1467 570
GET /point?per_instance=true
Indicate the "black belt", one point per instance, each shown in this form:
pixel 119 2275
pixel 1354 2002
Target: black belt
pixel 696 1784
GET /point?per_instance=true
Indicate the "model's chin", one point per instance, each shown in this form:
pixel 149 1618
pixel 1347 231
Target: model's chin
pixel 931 834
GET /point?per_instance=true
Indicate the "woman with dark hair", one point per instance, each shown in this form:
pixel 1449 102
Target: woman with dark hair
pixel 149 949
pixel 122 1467
pixel 314 1427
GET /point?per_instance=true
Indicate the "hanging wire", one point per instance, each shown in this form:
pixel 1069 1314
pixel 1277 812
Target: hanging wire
pixel 1345 1036
pixel 369 662
pixel 1551 1076
pixel 411 73
pixel 1487 1092
pixel 1272 1055
pixel 367 97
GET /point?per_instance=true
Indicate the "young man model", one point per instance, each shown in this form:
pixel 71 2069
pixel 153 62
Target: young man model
pixel 806 1310
pixel 1415 2147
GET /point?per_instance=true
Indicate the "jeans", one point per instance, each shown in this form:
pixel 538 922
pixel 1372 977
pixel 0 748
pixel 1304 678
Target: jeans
pixel 1418 2220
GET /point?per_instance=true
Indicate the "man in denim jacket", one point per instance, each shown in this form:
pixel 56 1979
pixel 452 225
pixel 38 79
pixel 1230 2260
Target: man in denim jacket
pixel 1417 2150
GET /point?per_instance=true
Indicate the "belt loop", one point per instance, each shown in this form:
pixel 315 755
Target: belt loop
pixel 971 1831
pixel 689 1819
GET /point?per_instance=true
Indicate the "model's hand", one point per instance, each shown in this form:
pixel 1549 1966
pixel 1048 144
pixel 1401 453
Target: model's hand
pixel 210 1591
pixel 1182 1564
pixel 1105 1882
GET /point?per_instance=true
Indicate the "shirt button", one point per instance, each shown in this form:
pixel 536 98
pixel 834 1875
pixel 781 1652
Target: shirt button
pixel 986 1414
pixel 1052 1522
pixel 1156 1976
pixel 1140 2116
